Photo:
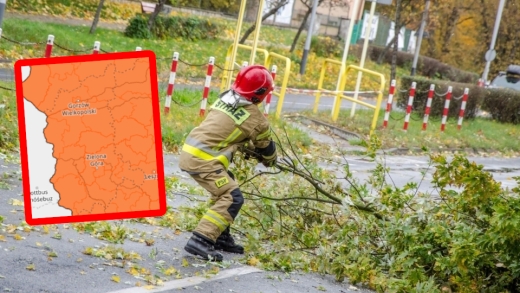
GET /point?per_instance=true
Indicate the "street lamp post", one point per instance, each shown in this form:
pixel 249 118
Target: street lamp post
pixel 491 53
pixel 420 37
pixel 309 38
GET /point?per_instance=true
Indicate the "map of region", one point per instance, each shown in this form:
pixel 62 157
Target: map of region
pixel 90 138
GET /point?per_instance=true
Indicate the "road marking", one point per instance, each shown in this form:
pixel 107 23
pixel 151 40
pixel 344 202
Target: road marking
pixel 192 281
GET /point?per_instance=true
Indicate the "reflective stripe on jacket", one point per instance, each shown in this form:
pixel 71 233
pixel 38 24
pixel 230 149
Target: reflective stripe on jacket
pixel 212 144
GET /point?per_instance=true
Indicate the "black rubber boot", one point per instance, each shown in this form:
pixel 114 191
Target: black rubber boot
pixel 226 242
pixel 202 246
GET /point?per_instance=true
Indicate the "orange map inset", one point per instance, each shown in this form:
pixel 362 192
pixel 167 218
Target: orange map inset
pixel 100 122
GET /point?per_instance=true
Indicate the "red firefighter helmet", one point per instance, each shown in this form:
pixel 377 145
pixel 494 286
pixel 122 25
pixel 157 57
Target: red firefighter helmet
pixel 253 82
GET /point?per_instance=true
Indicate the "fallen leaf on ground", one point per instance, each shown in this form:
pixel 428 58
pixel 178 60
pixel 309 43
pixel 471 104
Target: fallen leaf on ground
pixel 253 261
pixel 15 202
pixel 31 267
pixel 116 279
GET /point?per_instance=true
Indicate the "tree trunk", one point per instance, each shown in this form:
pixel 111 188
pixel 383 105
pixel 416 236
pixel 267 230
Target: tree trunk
pixel 96 17
pixel 251 10
pixel 264 17
pixel 396 39
pixel 450 25
pixel 387 47
pixel 300 29
pixel 158 8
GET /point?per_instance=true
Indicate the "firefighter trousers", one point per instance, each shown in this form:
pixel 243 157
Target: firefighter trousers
pixel 226 201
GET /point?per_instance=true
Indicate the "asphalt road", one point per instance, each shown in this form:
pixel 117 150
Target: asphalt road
pixel 73 271
pixel 294 102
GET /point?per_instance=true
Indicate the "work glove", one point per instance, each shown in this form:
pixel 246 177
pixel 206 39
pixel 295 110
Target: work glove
pixel 249 151
pixel 271 160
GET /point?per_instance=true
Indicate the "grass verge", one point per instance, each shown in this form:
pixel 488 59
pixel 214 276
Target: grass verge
pixel 479 134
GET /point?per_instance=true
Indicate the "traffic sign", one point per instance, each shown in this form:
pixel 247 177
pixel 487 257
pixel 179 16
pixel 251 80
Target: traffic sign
pixel 490 55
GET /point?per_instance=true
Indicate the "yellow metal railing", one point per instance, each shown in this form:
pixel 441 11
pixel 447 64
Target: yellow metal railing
pixel 286 72
pixel 339 95
pixel 322 78
pixel 226 76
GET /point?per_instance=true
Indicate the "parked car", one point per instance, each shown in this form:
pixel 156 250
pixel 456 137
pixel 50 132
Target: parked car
pixel 507 79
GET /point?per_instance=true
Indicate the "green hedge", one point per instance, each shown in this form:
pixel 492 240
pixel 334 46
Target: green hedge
pixel 426 66
pixel 475 97
pixel 165 27
pixel 503 105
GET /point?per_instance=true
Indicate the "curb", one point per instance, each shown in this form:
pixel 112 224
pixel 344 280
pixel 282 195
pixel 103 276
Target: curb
pixel 345 134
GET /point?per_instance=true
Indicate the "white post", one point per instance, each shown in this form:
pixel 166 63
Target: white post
pixel 353 16
pixel 363 55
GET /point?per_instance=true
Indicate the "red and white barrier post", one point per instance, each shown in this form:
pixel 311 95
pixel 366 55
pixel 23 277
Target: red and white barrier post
pixel 389 103
pixel 462 108
pixel 171 83
pixel 206 86
pixel 97 46
pixel 268 98
pixel 138 48
pixel 244 64
pixel 428 106
pixel 480 82
pixel 48 48
pixel 446 109
pixel 409 108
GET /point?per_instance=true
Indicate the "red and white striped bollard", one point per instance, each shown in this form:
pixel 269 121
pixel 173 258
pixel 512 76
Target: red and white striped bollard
pixel 389 103
pixel 446 109
pixel 428 106
pixel 48 47
pixel 268 98
pixel 409 108
pixel 138 48
pixel 97 46
pixel 207 84
pixel 171 83
pixel 244 64
pixel 462 108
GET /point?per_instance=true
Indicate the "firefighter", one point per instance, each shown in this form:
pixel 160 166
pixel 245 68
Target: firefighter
pixel 233 122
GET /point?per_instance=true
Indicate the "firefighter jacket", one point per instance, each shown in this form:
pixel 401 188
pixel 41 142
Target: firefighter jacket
pixel 211 145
